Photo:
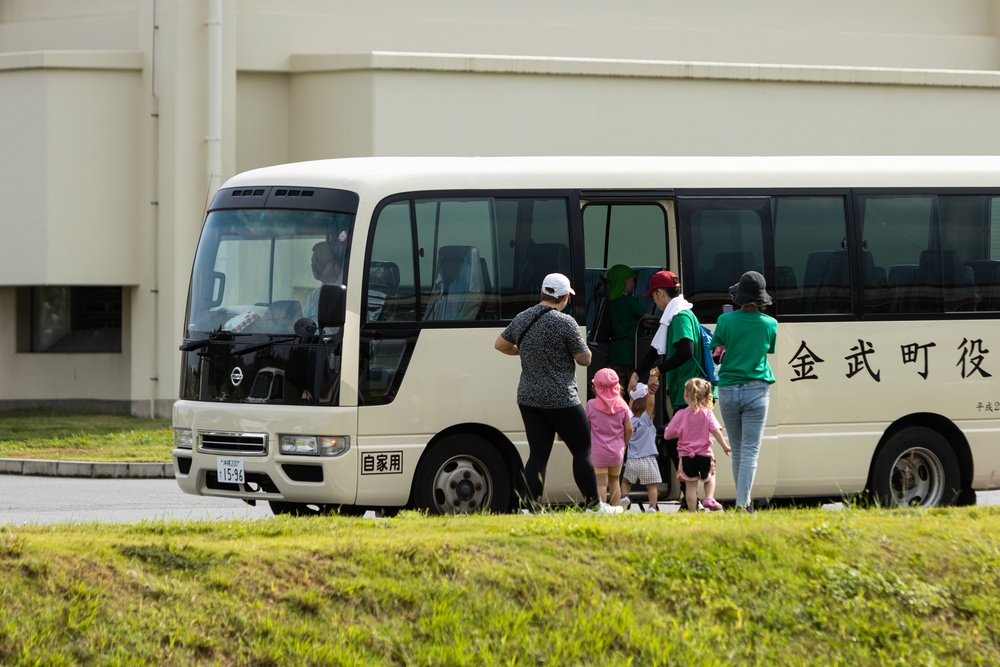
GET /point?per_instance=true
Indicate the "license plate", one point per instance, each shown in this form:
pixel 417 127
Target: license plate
pixel 230 471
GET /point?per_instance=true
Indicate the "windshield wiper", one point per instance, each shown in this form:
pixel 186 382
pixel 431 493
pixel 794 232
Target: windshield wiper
pixel 260 346
pixel 213 336
pixel 304 328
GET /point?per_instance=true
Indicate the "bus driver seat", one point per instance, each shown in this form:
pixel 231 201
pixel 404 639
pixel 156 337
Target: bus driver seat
pixel 457 293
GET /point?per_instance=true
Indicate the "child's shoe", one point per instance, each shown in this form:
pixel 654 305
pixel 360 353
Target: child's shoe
pixel 712 505
pixel 652 509
pixel 605 508
pixel 625 502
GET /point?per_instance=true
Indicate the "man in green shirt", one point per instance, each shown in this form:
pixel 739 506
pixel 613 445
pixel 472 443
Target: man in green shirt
pixel 674 343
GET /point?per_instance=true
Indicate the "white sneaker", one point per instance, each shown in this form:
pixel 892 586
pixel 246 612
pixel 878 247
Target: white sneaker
pixel 652 509
pixel 625 502
pixel 606 509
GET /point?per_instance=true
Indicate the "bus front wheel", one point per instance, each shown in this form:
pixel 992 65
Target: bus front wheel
pixel 916 468
pixel 460 475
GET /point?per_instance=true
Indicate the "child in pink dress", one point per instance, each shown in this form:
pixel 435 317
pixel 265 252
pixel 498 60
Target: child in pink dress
pixel 610 431
pixel 694 427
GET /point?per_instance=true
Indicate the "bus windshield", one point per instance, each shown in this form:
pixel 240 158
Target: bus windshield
pixel 257 271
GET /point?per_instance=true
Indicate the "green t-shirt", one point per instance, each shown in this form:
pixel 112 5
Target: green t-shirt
pixel 749 336
pixel 683 325
pixel 624 313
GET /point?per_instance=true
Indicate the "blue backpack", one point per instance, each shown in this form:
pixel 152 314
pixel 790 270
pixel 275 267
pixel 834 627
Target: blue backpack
pixel 704 360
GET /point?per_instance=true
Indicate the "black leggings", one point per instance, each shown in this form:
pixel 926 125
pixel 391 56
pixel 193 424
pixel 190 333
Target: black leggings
pixel 670 447
pixel 572 425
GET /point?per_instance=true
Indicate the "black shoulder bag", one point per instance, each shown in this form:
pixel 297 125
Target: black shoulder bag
pixel 531 324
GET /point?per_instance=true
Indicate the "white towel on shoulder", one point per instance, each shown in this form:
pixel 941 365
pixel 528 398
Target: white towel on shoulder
pixel 676 305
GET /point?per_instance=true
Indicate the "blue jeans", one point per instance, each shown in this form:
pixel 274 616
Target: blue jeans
pixel 744 412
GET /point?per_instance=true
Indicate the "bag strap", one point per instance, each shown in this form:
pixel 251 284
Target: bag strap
pixel 531 324
pixel 699 343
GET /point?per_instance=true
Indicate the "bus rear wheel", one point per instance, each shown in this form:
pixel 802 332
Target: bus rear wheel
pixel 916 468
pixel 460 475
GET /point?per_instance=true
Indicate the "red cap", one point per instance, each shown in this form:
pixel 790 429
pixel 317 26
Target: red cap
pixel 662 279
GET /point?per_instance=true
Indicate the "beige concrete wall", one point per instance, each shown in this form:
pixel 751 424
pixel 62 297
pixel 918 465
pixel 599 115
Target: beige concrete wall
pixel 93 178
pixel 43 25
pixel 333 113
pixel 70 163
pixel 262 119
pixel 116 91
pixel 22 191
pixel 419 104
pixel 931 34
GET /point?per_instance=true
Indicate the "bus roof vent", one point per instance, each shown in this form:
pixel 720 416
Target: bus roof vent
pixel 249 192
pixel 284 192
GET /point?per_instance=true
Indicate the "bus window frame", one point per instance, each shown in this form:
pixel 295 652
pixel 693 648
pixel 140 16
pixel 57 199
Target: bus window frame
pixel 575 240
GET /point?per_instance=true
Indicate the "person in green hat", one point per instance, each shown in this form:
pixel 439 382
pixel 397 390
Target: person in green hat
pixel 625 312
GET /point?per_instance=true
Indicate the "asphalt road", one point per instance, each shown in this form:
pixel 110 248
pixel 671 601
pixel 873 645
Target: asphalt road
pixel 44 500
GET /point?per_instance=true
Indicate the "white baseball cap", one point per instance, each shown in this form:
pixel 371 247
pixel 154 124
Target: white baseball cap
pixel 556 284
pixel 639 391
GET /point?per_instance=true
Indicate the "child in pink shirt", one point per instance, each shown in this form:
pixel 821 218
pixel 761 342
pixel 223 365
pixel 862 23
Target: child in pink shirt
pixel 694 427
pixel 610 431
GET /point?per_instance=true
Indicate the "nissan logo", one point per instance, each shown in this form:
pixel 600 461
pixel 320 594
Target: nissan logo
pixel 236 376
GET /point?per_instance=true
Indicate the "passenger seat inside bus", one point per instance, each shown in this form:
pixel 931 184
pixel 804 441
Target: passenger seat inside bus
pixel 954 282
pixel 986 273
pixel 643 274
pixel 727 269
pixel 827 282
pixel 383 291
pixel 543 259
pixel 939 283
pixel 457 292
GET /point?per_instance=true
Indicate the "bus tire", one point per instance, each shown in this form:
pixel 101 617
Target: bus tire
pixel 460 475
pixel 916 468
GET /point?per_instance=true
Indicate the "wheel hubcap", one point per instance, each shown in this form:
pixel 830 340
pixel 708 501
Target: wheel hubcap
pixel 917 478
pixel 462 484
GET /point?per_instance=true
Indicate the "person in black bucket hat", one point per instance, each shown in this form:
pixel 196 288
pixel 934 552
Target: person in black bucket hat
pixel 750 290
pixel 745 377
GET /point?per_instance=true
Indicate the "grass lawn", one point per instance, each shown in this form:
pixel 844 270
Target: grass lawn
pixel 46 434
pixel 783 587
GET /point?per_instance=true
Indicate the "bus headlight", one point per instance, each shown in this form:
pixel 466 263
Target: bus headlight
pixel 314 445
pixel 182 438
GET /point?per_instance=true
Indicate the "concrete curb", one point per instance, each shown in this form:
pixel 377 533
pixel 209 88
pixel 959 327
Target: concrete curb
pixel 95 470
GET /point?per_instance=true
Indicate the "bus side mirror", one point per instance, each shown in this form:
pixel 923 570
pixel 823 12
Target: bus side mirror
pixel 332 310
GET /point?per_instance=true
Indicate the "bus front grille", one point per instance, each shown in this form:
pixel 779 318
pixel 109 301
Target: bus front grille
pixel 226 442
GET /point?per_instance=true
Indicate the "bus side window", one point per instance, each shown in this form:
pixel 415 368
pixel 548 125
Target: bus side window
pixel 721 238
pixel 392 295
pixel 458 285
pixel 808 244
pixel 543 259
pixel 931 242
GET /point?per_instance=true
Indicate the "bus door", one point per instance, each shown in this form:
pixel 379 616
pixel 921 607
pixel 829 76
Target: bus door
pixel 632 233
pixel 721 238
pixel 634 230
